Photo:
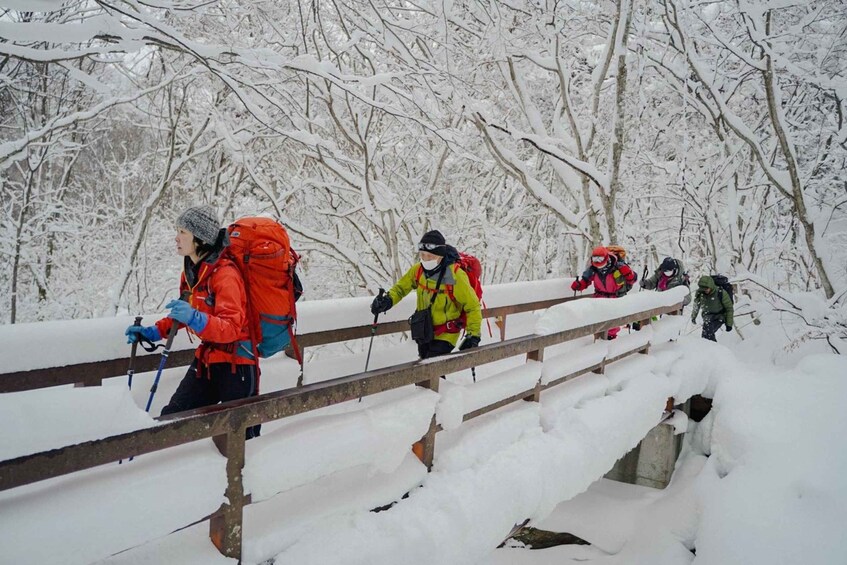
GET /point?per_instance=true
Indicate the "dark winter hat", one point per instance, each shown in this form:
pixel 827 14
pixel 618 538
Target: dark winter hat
pixel 668 264
pixel 433 242
pixel 202 222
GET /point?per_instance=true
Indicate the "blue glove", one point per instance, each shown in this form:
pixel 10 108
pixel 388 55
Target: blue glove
pixel 182 311
pixel 150 333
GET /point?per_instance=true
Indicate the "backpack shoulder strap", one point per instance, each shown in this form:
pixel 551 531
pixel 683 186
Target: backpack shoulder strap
pixel 449 287
pixel 433 291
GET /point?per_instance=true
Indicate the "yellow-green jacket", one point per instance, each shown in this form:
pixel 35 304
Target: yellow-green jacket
pixel 455 297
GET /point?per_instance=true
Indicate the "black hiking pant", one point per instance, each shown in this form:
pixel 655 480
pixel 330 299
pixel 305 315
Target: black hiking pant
pixel 434 348
pixel 217 384
pixel 710 326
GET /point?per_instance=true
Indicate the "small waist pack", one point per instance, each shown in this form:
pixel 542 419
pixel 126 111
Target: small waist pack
pixel 421 326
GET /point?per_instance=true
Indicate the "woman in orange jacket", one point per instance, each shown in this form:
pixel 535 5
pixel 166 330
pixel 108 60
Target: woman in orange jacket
pixel 223 368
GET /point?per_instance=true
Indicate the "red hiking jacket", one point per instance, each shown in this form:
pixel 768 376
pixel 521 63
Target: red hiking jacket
pixel 218 293
pixel 610 281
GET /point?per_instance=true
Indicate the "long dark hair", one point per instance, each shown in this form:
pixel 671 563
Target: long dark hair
pixel 204 249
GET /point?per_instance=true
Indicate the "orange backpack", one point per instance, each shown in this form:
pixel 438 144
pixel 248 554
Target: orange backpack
pixel 261 250
pixel 618 251
pixel 620 254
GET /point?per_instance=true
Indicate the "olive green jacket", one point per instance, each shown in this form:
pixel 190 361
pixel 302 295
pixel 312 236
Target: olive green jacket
pixel 446 307
pixel 715 305
pixel 678 279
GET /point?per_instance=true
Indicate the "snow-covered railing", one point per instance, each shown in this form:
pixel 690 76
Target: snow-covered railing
pixel 226 423
pixel 99 352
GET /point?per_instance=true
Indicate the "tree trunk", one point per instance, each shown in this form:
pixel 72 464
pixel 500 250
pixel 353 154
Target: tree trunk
pixel 787 149
pixel 625 17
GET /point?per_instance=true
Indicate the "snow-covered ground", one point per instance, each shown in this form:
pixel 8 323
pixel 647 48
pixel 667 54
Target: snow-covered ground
pixel 760 480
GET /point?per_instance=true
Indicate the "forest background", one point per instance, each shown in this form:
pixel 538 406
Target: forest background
pixel 527 131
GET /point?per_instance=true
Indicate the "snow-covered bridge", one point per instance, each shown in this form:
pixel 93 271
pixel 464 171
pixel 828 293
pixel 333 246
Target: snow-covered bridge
pixel 323 454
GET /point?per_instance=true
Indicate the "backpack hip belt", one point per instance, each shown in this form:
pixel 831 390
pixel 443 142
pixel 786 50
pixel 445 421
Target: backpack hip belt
pixel 235 349
pixel 602 294
pixel 449 327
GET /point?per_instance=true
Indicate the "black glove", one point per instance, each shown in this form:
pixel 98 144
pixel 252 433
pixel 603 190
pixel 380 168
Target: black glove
pixel 381 304
pixel 469 342
pixel 728 328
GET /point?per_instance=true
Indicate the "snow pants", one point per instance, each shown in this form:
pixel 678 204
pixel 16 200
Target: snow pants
pixel 217 384
pixel 613 332
pixel 710 326
pixel 434 348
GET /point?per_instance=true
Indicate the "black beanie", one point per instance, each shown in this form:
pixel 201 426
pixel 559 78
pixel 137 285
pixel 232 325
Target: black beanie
pixel 668 264
pixel 434 237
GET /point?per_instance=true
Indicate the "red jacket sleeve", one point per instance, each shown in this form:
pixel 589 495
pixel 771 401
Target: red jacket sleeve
pixel 228 316
pixel 628 274
pixel 164 325
pixel 582 284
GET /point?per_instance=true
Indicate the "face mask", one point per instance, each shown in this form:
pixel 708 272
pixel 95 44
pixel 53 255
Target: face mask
pixel 430 265
pixel 668 273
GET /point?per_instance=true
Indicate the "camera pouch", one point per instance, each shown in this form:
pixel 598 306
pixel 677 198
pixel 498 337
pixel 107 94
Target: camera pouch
pixel 421 326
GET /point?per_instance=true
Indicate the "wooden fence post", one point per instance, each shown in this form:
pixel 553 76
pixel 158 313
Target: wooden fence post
pixel 500 322
pixel 537 355
pixel 226 524
pixel 646 348
pixel 601 369
pixel 425 448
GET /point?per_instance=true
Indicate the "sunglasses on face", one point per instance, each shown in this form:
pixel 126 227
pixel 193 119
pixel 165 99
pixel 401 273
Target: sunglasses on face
pixel 428 246
pixel 598 259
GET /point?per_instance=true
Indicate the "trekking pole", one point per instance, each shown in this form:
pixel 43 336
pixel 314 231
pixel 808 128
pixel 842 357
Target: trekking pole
pixel 576 280
pixel 373 332
pixel 473 369
pixel 131 370
pixel 165 353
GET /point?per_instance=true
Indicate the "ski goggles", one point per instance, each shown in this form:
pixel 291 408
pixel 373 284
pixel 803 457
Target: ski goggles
pixel 598 259
pixel 429 246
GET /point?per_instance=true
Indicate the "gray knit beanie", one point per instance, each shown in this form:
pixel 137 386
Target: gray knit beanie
pixel 202 222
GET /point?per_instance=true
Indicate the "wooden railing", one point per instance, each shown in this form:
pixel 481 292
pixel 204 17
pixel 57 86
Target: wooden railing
pixel 226 423
pixel 93 373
